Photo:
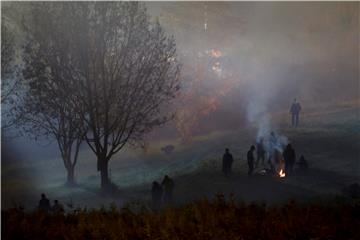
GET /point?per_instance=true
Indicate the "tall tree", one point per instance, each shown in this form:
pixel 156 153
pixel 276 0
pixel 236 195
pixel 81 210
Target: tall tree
pixel 119 70
pixel 46 111
pixel 10 80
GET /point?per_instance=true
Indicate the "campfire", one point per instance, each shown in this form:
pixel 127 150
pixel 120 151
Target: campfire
pixel 282 173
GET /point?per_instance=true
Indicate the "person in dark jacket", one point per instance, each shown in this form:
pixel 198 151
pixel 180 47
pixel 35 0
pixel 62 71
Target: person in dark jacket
pixel 292 158
pixel 289 158
pixel 250 160
pixel 156 193
pixel 286 159
pixel 168 186
pixel 227 162
pixel 44 203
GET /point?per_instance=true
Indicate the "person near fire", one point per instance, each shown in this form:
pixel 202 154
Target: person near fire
pixel 292 158
pixel 260 152
pixel 289 158
pixel 227 162
pixel 295 111
pixel 286 156
pixel 250 160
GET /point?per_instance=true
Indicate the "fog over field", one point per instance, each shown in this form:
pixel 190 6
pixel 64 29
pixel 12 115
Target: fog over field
pixel 243 63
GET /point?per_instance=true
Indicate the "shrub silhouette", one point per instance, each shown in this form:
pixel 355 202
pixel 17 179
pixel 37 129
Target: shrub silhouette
pixel 203 219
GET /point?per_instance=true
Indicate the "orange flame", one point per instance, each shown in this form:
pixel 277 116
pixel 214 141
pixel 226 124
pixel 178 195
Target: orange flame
pixel 282 173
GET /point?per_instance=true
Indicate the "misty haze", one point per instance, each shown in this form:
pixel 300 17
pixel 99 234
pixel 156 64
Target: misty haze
pixel 255 100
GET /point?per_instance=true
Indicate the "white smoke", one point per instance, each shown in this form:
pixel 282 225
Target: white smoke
pixel 259 115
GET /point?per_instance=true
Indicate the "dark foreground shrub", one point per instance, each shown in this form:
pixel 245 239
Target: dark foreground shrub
pixel 218 219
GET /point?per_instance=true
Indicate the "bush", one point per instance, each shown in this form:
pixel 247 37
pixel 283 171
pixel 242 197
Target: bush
pixel 203 219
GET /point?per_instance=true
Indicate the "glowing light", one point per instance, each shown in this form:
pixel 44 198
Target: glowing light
pixel 282 173
pixel 215 53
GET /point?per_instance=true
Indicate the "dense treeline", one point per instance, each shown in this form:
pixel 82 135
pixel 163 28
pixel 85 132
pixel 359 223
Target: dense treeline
pixel 218 219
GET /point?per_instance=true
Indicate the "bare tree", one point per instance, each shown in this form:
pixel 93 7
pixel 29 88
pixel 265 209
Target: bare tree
pixel 9 76
pixel 119 70
pixel 46 110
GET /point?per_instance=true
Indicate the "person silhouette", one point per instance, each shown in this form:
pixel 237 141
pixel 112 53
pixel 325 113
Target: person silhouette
pixel 287 158
pixel 295 111
pixel 292 158
pixel 303 165
pixel 57 207
pixel 250 159
pixel 156 193
pixel 168 185
pixel 227 162
pixel 44 203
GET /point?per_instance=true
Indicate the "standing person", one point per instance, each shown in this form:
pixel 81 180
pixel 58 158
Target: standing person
pixel 260 152
pixel 250 160
pixel 227 162
pixel 295 111
pixel 292 158
pixel 57 207
pixel 44 203
pixel 168 185
pixel 156 193
pixel 289 158
pixel 286 156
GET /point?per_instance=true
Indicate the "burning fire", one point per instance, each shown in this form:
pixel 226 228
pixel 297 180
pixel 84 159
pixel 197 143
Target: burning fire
pixel 215 53
pixel 282 173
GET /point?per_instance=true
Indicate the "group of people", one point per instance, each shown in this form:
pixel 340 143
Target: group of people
pixel 162 193
pixel 44 205
pixel 276 159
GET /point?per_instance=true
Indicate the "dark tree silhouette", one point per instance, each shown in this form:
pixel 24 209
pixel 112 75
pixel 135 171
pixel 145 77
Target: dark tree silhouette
pixel 10 80
pixel 117 70
pixel 46 110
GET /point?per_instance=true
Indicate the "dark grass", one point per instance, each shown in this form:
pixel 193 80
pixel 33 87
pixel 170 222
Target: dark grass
pixel 203 219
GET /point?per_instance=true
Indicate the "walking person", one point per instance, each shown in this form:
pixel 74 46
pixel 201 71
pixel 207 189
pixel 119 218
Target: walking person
pixel 295 111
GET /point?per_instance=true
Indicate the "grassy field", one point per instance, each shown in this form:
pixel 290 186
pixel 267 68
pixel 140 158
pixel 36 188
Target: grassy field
pixel 329 139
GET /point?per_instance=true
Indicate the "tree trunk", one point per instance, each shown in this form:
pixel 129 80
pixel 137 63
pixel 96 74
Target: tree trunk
pixel 71 176
pixel 105 182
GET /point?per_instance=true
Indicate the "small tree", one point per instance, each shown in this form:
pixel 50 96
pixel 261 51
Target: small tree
pixel 46 110
pixel 119 70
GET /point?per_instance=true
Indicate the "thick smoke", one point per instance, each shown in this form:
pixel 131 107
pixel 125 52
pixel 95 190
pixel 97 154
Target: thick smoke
pixel 272 52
